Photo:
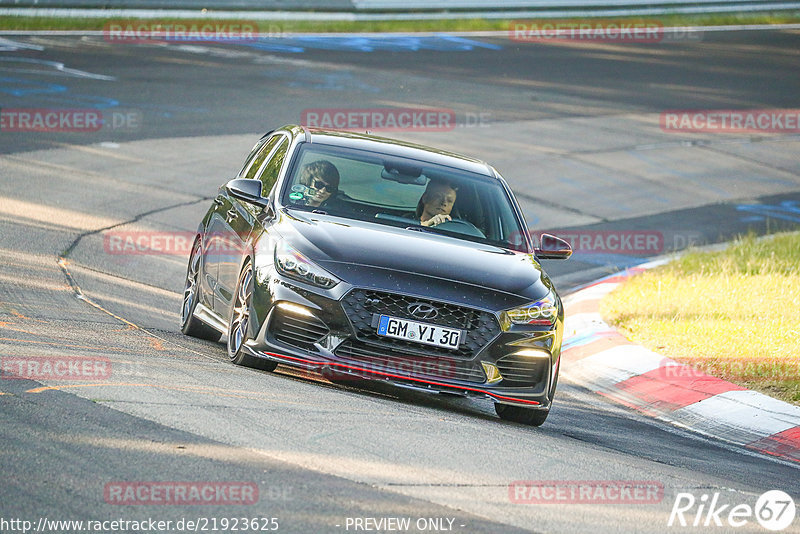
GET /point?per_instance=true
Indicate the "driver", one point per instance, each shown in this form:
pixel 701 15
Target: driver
pixel 321 177
pixel 436 203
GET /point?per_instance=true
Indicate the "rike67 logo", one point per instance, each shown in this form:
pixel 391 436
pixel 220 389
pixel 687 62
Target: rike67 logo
pixel 774 510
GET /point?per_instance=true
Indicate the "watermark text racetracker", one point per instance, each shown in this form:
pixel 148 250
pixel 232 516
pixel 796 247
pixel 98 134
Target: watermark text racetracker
pixel 187 31
pixel 419 368
pixel 585 492
pixel 625 242
pixel 62 120
pixel 181 493
pixel 170 243
pixel 599 30
pixel 785 121
pixel 742 368
pixel 392 119
pixel 54 368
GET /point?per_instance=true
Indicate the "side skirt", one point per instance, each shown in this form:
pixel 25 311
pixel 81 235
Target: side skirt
pixel 210 318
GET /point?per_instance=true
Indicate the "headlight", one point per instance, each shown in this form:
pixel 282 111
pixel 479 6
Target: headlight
pixel 542 312
pixel 291 263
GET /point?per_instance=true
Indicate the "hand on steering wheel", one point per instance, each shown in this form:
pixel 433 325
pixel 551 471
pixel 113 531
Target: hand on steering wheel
pixel 436 219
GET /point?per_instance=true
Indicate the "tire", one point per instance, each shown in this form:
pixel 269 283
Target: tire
pixel 191 325
pixel 518 414
pixel 239 323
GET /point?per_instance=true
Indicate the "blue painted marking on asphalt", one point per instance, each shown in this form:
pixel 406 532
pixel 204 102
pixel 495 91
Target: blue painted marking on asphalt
pixel 788 210
pixel 79 101
pixel 468 44
pixel 383 325
pixel 92 101
pixel 21 87
pixel 370 43
pixel 52 93
pixel 271 45
pixel 583 339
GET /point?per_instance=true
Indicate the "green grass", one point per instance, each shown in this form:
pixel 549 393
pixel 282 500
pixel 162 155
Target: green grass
pixel 734 314
pixel 444 24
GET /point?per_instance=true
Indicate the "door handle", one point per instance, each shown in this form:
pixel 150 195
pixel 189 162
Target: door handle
pixel 231 214
pixel 218 201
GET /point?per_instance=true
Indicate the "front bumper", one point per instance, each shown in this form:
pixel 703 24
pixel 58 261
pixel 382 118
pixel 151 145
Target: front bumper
pixel 330 332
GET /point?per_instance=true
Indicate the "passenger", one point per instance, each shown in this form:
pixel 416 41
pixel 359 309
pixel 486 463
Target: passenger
pixel 322 179
pixel 436 203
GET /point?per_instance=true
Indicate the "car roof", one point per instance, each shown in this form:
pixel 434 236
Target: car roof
pixel 393 147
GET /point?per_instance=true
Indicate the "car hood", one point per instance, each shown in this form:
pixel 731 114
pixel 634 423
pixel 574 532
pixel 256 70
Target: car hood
pixel 347 247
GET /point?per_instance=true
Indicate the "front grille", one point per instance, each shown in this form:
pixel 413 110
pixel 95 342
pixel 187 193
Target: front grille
pixel 297 330
pixel 399 363
pixel 522 371
pixel 360 305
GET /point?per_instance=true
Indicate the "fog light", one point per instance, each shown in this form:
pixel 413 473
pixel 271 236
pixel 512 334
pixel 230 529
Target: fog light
pixel 493 375
pixel 533 353
pixel 294 308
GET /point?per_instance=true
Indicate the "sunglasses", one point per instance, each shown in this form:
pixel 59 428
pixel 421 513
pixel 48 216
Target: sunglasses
pixel 319 185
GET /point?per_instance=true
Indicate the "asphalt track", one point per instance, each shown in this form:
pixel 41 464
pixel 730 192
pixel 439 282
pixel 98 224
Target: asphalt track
pixel 573 127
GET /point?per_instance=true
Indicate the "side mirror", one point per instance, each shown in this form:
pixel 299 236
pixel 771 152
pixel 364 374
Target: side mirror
pixel 552 248
pixel 247 190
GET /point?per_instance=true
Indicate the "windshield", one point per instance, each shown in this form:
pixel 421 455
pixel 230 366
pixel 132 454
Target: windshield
pixel 402 192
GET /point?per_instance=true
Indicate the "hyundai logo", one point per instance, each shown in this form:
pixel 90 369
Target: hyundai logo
pixel 422 310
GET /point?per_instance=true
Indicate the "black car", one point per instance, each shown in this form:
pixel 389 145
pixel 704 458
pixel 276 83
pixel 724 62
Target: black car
pixel 324 254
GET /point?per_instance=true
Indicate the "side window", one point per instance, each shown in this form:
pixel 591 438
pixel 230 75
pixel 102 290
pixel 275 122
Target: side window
pixel 256 148
pixel 269 173
pixel 254 163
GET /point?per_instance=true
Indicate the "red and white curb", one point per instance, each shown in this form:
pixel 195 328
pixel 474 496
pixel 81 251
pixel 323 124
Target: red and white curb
pixel 596 355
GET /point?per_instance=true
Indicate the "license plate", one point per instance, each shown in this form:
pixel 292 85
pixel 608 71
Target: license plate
pixel 427 334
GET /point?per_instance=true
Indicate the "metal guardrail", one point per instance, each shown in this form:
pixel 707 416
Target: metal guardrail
pixel 380 5
pixel 226 5
pixel 383 9
pixel 494 5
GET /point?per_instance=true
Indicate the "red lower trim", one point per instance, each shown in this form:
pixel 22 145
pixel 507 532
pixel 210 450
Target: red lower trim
pixel 400 377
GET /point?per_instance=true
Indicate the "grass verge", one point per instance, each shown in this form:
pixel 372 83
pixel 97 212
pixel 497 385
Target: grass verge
pixel 733 314
pixel 27 23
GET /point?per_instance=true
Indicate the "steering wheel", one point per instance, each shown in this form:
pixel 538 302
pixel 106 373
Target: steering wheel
pixel 460 226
